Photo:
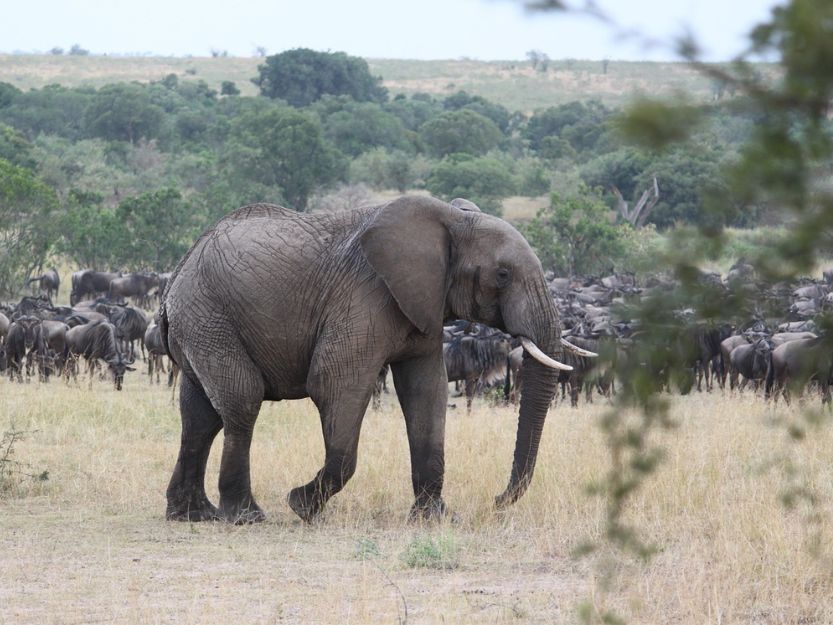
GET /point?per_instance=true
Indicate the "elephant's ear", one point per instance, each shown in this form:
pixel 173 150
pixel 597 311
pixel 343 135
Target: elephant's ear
pixel 408 246
pixel 464 204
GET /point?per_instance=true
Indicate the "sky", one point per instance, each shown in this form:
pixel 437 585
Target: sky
pixel 412 29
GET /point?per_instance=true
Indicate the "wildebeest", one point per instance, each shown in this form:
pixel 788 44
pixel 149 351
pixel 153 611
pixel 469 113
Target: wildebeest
pixel 90 283
pixel 31 306
pixel 135 285
pixel 51 347
pixel 705 346
pixel 727 346
pixel 4 327
pixel 48 282
pixel 476 361
pixel 752 361
pixel 20 343
pixel 156 353
pixel 131 325
pixel 584 367
pixel 795 363
pixel 97 341
pixel 381 386
pixel 785 337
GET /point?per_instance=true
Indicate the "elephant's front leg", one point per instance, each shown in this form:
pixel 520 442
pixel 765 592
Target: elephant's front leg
pixel 341 390
pixel 422 388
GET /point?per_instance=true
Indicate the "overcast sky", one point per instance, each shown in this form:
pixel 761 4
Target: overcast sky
pixel 415 29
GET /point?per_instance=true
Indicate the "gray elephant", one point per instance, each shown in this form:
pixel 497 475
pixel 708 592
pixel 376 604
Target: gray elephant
pixel 271 304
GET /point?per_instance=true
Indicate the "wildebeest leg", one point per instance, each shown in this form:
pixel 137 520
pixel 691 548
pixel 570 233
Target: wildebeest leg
pixel 575 389
pixel 341 390
pixel 378 387
pixel 187 500
pixel 733 379
pixel 173 374
pixel 421 387
pixel 471 387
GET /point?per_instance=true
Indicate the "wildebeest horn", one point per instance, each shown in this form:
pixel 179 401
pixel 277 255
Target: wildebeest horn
pixel 541 357
pixel 577 350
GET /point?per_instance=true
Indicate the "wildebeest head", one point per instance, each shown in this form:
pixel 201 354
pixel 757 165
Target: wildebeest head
pixel 28 325
pixel 118 366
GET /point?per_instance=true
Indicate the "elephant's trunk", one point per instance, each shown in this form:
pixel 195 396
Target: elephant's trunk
pixel 539 386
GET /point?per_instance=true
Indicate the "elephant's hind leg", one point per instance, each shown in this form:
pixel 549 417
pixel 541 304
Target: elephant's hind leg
pixel 200 424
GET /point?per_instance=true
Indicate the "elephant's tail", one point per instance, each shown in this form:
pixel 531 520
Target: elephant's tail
pixel 507 383
pixel 162 322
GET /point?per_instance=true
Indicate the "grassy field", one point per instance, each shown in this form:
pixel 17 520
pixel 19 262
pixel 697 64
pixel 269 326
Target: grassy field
pixel 90 544
pixel 512 83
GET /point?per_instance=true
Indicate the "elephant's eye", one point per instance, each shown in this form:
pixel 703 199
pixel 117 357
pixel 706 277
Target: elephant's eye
pixel 503 276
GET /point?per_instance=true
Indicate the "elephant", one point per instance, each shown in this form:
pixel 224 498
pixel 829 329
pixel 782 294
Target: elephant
pixel 271 304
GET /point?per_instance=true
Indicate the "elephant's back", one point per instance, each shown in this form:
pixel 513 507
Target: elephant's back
pixel 245 267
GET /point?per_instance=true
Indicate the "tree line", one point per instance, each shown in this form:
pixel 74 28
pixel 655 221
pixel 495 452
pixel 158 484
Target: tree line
pixel 126 175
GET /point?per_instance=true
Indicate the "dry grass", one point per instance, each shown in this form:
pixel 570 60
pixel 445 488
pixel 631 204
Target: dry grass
pixel 511 83
pixel 91 545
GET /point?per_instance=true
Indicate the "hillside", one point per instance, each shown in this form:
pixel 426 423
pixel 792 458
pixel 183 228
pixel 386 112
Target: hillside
pixel 512 83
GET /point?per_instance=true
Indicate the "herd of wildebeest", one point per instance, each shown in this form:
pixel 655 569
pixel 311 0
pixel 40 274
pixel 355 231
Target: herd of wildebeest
pixel 99 327
pixel 109 325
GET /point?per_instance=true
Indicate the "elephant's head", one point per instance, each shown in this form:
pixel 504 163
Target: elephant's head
pixel 449 261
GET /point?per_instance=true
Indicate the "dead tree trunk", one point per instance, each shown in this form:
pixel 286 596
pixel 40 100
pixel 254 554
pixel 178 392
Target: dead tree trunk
pixel 643 207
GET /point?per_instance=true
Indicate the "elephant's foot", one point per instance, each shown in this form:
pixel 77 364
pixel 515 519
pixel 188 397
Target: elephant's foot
pixel 242 513
pixel 193 509
pixel 305 502
pixel 433 510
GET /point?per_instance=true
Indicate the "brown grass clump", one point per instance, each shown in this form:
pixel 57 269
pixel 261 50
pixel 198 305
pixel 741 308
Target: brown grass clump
pixel 90 544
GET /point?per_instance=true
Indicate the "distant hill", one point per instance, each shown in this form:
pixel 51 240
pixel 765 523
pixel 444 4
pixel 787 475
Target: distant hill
pixel 515 84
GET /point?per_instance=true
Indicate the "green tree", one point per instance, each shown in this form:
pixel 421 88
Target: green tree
pixel 462 100
pixel 577 234
pixel 229 88
pixel 27 228
pixel 463 131
pixel 483 180
pixel 15 148
pixel 284 147
pixel 383 169
pixel 53 110
pixel 91 234
pixel 302 76
pixel 8 92
pixel 686 177
pixel 158 229
pixel 355 127
pixel 583 125
pixel 414 112
pixel 123 112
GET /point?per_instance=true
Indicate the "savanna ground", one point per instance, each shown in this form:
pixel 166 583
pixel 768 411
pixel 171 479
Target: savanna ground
pixel 90 544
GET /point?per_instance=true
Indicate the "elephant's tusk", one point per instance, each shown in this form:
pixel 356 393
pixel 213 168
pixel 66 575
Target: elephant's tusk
pixel 541 357
pixel 577 350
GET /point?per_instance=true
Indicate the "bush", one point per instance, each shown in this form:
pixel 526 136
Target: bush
pixel 389 169
pixel 13 473
pixel 428 552
pixel 577 234
pixel 485 181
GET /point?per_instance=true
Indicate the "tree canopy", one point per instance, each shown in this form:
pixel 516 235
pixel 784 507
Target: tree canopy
pixel 302 76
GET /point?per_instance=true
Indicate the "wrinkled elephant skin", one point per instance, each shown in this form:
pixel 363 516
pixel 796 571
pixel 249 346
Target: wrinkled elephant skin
pixel 271 304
